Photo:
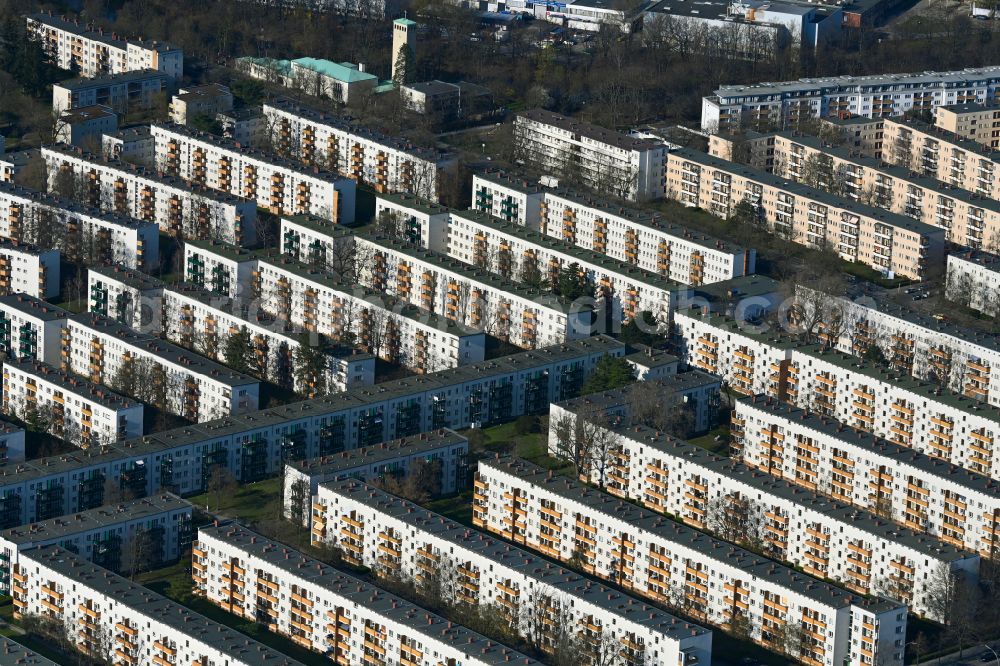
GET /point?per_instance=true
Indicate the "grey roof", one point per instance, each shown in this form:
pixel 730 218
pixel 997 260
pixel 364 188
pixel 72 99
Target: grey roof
pixel 134 76
pixel 69 205
pixel 945 136
pixel 670 530
pixel 984 259
pixel 33 307
pixel 288 563
pixel 146 603
pixel 75 384
pixel 591 131
pixel 434 88
pixel 128 276
pixel 370 455
pixel 11 245
pixel 533 566
pixel 92 32
pixel 679 383
pixel 12 652
pixel 649 357
pixel 83 114
pixel 407 200
pixel 228 251
pixel 55 530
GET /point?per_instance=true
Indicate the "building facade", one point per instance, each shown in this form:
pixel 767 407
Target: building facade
pixel 30 328
pixel 28 269
pixel 129 297
pixel 130 92
pixel 972 279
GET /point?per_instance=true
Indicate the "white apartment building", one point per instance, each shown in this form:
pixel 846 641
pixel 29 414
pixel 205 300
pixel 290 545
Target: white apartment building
pixel 94 53
pixel 197 319
pixel 388 164
pixel 117 537
pixel 393 459
pixel 142 626
pixel 325 610
pixel 194 387
pixel 169 202
pixel 511 251
pixel 831 540
pixel 30 328
pixel 127 296
pixel 967 218
pixel 419 221
pixel 637 237
pixel 380 531
pixel 603 160
pixel 973 279
pixel 470 296
pixel 277 184
pixel 857 232
pixel 374 319
pixel 778 104
pixel 973 121
pixel 658 558
pixel 132 145
pixel 318 242
pixel 11 443
pixel 123 93
pixel 78 231
pixel 85 126
pixel 224 269
pixel 206 100
pixel 27 269
pixel 82 413
pixel 923 493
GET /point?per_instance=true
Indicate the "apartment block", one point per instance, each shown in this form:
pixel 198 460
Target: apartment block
pixel 93 53
pixel 28 269
pixel 318 242
pixel 657 557
pixel 197 319
pixel 30 328
pixel 885 241
pixel 169 202
pixel 470 297
pixel 328 611
pixel 972 279
pixel 127 296
pixel 383 532
pixel 279 185
pixel 977 122
pixel 63 587
pixel 419 221
pixel 221 268
pixel 755 149
pixel 779 104
pixel 923 493
pixel 393 459
pixel 129 536
pixel 967 218
pixel 191 386
pixel 132 145
pixel 206 100
pixel 603 160
pixel 386 163
pixel 254 445
pixel 85 126
pixel 78 231
pixel 129 92
pixel 81 412
pixel 508 197
pixel 651 364
pixel 828 539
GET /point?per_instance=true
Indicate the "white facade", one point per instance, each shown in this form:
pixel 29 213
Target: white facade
pixel 127 296
pixel 124 93
pixel 31 328
pixel 102 608
pixel 224 269
pixel 973 279
pixel 659 558
pixel 509 198
pixel 388 164
pixel 86 126
pixel 77 231
pixel 206 100
pixel 317 242
pixel 27 269
pixel 11 443
pixel 196 388
pixel 380 531
pixel 606 161
pixel 421 222
pixel 94 53
pixel 327 611
pixel 281 186
pixel 83 413
pixel 168 202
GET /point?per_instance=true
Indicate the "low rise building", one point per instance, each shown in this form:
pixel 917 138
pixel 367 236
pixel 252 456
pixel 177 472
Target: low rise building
pixel 245 126
pixel 327 610
pixel 395 459
pixel 386 533
pixel 127 296
pixel 133 91
pixel 603 160
pixel 389 164
pixel 126 537
pixel 976 122
pixel 973 279
pixel 30 328
pixel 78 231
pixel 886 241
pixel 85 126
pixel 659 557
pixel 254 446
pixel 82 413
pixel 131 145
pixel 28 269
pixel 63 587
pixel 206 101
pixel 343 82
pixel 279 185
pixel 185 383
pixel 172 204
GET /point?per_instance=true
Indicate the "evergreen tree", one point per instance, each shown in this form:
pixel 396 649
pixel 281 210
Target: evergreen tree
pixel 236 350
pixel 405 66
pixel 611 372
pixel 571 282
pixel 310 366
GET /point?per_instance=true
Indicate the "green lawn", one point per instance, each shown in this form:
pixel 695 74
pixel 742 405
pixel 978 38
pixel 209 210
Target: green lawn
pixel 252 503
pixel 707 441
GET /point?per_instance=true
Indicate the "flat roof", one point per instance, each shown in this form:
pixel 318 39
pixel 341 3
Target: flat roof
pixel 13 245
pixel 986 260
pixel 370 455
pixel 434 87
pixel 291 564
pixel 103 517
pixel 147 603
pixel 204 90
pixel 84 114
pixel 946 136
pixel 33 307
pixel 112 79
pixel 12 652
pixel 664 387
pixel 236 253
pixel 71 383
pixel 341 71
pixel 70 205
pixel 127 276
pixel 407 200
pixel 591 131
pixel 525 562
pixel 96 33
pixel 649 357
